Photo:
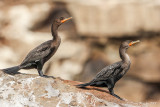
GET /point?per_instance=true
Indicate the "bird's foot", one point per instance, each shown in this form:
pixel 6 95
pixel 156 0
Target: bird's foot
pixel 117 96
pixel 120 98
pixel 46 76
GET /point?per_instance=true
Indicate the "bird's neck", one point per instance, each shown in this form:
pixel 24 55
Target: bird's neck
pixel 124 56
pixel 54 29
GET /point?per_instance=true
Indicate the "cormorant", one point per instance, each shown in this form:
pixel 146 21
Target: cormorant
pixel 42 53
pixel 109 75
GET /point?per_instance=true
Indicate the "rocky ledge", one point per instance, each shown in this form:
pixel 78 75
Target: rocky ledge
pixel 26 90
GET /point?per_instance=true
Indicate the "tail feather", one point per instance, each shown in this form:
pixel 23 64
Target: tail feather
pixel 12 70
pixel 83 85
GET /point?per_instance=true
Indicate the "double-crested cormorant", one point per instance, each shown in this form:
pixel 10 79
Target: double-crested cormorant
pixel 109 75
pixel 42 53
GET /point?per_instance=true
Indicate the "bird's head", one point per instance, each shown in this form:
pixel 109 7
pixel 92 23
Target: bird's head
pixel 126 44
pixel 61 20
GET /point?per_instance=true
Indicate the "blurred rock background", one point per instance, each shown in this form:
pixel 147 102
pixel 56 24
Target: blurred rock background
pixel 89 42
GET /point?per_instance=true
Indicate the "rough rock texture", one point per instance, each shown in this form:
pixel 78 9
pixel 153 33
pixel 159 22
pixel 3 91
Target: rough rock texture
pixel 33 91
pixel 89 42
pixel 114 17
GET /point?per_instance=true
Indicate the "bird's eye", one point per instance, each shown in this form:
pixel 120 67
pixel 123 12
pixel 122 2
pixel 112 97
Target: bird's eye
pixel 61 18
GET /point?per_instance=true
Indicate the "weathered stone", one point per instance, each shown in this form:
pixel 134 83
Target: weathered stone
pixel 115 19
pixel 34 91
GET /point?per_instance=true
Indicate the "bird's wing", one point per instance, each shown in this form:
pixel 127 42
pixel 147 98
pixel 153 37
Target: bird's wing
pixel 38 53
pixel 106 72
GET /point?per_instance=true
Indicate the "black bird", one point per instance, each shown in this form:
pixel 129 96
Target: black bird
pixel 109 75
pixel 42 53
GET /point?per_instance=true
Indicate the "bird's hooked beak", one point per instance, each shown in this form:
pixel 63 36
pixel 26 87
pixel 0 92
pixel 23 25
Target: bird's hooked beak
pixel 66 19
pixel 134 42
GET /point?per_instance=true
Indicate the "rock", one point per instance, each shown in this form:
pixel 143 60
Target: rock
pixel 67 69
pixel 97 29
pixel 34 91
pixel 145 58
pixel 70 49
pixel 93 65
pixel 112 18
pixel 126 86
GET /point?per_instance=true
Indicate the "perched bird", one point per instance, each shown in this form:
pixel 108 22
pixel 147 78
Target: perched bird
pixel 109 75
pixel 42 53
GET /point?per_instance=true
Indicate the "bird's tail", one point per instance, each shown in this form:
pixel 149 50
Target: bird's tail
pixel 12 70
pixel 83 85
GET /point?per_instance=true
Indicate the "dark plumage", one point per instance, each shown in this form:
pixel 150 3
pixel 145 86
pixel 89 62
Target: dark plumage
pixel 42 53
pixel 109 75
